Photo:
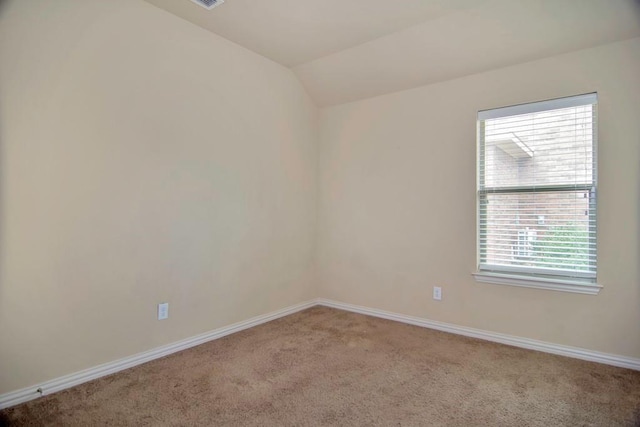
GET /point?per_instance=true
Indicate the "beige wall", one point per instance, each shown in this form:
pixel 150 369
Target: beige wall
pixel 397 202
pixel 143 159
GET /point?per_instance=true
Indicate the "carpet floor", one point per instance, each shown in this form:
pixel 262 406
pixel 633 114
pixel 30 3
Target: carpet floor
pixel 330 367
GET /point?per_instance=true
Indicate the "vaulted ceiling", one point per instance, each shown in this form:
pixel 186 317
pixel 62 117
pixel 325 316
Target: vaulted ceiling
pixel 345 50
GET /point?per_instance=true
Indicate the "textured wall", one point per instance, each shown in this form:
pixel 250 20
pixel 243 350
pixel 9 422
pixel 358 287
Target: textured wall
pixel 143 159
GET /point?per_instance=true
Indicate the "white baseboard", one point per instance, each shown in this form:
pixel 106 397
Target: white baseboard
pixel 71 380
pixel 67 381
pixel 546 347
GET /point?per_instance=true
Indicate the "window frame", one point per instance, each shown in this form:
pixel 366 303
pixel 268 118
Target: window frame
pixel 550 279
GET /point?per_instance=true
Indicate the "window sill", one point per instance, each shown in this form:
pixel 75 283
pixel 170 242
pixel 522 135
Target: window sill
pixel 561 285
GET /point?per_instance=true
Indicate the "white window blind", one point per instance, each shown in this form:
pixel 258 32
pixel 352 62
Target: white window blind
pixel 537 176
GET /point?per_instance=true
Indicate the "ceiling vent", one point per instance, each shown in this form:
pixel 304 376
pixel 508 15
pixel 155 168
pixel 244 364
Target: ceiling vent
pixel 208 4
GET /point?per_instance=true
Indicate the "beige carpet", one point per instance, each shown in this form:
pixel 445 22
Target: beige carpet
pixel 330 367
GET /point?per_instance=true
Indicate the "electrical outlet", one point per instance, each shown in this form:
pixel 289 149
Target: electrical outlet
pixel 437 293
pixel 163 310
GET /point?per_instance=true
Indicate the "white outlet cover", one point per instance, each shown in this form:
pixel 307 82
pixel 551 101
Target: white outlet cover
pixel 437 293
pixel 163 310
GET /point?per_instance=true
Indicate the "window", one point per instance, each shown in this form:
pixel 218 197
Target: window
pixel 537 194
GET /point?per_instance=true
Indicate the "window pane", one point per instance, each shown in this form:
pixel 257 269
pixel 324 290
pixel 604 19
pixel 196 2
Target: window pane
pixel 539 230
pixel 546 148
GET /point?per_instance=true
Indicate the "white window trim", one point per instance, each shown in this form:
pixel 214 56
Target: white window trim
pixel 536 107
pixel 557 283
pixel 547 283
